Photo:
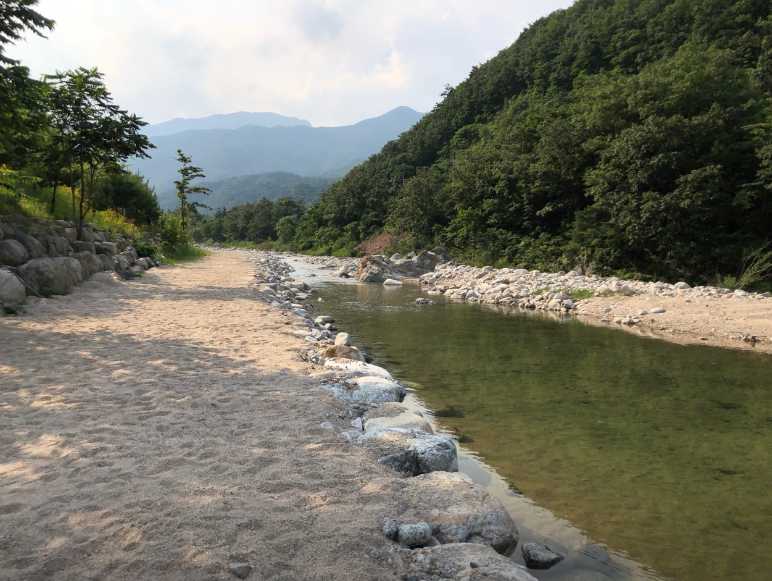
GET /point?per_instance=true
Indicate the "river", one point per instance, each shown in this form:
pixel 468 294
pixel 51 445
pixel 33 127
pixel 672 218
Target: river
pixel 591 436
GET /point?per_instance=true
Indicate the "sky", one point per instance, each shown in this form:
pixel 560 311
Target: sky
pixel 332 62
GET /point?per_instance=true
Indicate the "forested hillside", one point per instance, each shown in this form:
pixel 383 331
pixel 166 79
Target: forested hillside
pixel 246 189
pixel 627 135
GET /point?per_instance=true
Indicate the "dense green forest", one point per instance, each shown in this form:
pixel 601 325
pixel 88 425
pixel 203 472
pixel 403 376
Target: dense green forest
pixel 617 135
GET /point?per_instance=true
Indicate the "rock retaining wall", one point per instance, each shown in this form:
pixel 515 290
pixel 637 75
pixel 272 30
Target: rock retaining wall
pixel 448 527
pixel 44 258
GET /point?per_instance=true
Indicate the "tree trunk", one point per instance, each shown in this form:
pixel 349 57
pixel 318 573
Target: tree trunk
pixel 82 198
pixel 53 195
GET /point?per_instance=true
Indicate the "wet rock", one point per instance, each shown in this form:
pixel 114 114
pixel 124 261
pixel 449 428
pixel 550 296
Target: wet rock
pixel 423 301
pixel 324 320
pixel 13 253
pixel 458 510
pixel 392 282
pixel 367 389
pixel 412 452
pixel 462 562
pixel 12 291
pixel 538 556
pixel 51 276
pixel 414 535
pixel 342 339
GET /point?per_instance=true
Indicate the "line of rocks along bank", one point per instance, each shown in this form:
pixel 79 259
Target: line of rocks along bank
pixel 675 312
pixel 446 527
pixel 42 258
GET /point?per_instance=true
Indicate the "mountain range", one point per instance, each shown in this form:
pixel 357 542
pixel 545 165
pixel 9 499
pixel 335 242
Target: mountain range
pixel 226 152
pixel 223 121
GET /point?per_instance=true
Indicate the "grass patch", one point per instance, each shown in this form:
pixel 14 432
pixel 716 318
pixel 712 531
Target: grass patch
pixel 579 294
pixel 184 253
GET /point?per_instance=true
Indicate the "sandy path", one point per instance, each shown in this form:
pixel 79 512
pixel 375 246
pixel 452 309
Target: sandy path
pixel 160 428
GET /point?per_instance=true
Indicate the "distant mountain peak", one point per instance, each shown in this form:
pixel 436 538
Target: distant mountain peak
pixel 235 120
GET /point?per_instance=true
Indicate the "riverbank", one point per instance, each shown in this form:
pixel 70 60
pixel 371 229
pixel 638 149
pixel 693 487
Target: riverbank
pixel 167 428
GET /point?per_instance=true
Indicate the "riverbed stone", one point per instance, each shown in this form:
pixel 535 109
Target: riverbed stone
pixel 462 562
pixel 394 415
pixel 324 320
pixel 342 339
pixel 414 535
pixel 412 452
pixel 51 276
pixel 13 253
pixel 458 510
pixel 12 291
pixel 356 368
pixel 369 389
pixel 240 569
pixel 344 352
pixel 392 282
pixel 537 556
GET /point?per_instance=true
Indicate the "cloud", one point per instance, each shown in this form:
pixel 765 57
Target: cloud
pixel 329 61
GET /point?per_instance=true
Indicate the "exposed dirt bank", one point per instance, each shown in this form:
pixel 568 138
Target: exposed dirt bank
pixel 147 431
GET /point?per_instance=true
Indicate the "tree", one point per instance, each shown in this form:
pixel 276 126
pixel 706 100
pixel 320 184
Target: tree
pixel 16 17
pixel 185 187
pixel 128 193
pixel 100 134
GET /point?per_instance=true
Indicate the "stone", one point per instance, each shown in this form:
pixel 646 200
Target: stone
pixel 89 262
pixel 145 262
pixel 412 452
pixel 13 253
pixel 414 535
pixel 395 415
pixel 32 244
pixel 83 246
pixel 344 352
pixel 240 569
pixel 109 248
pixel 324 320
pixel 342 339
pixel 359 368
pixel 58 246
pixel 12 291
pixel 462 562
pixel 390 528
pixel 121 263
pixel 682 285
pixel 107 261
pixel 538 556
pixel 458 511
pixel 392 282
pixel 51 276
pixel 657 311
pixel 368 389
pixel 374 269
pixel 423 301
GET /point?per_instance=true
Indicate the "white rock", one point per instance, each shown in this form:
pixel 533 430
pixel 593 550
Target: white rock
pixel 392 282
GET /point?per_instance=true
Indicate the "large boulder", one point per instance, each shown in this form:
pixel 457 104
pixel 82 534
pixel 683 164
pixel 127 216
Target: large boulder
pixel 58 246
pixel 458 510
pixel 393 415
pixel 462 561
pixel 51 276
pixel 351 367
pixel 83 246
pixel 13 253
pixel 412 451
pixel 109 248
pixel 12 291
pixel 369 389
pixel 32 244
pixel 107 261
pixel 375 269
pixel 89 262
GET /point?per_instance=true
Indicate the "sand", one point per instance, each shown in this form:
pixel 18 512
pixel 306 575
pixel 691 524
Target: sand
pixel 721 322
pixel 164 427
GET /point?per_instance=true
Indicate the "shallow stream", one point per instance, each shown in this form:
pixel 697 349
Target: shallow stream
pixel 591 436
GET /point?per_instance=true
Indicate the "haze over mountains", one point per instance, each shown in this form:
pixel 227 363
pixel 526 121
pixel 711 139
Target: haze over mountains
pixel 225 148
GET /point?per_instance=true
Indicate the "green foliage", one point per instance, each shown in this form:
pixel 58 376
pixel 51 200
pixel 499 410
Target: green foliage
pixel 631 135
pixel 185 187
pixel 756 267
pixel 256 223
pixel 130 194
pixel 580 294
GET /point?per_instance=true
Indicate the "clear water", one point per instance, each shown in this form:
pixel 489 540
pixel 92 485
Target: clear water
pixel 661 452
